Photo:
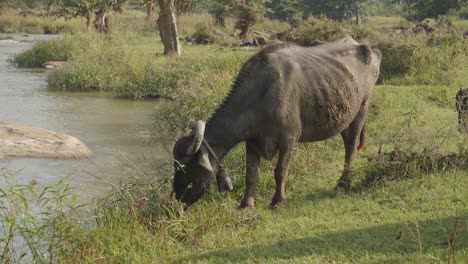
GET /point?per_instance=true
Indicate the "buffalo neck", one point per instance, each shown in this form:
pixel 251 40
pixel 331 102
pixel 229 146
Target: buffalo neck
pixel 223 132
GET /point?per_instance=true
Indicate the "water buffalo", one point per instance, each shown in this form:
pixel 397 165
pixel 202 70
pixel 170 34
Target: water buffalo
pixel 461 99
pixel 284 94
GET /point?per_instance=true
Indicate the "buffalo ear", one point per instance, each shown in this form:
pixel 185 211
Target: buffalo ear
pixel 364 53
pixel 204 160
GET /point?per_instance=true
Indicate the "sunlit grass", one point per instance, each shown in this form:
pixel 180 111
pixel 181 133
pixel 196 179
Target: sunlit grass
pixel 421 216
pixel 11 22
pixel 400 210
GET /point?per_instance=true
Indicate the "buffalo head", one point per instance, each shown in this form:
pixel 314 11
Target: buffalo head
pixel 195 166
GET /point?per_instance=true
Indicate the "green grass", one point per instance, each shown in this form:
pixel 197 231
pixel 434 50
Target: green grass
pixel 11 22
pixel 60 49
pixel 133 66
pixel 426 205
pixel 381 22
pixel 415 186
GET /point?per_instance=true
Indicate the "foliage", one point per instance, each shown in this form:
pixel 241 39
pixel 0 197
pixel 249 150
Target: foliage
pixel 220 10
pixel 75 8
pixel 316 28
pixel 335 9
pixel 203 34
pixel 411 60
pixel 86 8
pixel 282 10
pixel 47 50
pixel 24 234
pixel 247 16
pixel 110 65
pixel 422 9
pixel 183 7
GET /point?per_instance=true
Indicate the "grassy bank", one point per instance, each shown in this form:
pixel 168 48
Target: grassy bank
pixel 134 69
pixel 407 205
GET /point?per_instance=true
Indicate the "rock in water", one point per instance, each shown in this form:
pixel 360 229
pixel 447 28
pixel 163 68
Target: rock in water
pixel 24 141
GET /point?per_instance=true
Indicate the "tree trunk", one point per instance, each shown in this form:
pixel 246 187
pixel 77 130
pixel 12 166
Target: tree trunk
pixel 167 27
pixel 358 18
pixel 101 23
pixel 88 21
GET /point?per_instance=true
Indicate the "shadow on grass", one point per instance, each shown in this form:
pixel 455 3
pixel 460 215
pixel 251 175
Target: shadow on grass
pixel 383 239
pixel 321 194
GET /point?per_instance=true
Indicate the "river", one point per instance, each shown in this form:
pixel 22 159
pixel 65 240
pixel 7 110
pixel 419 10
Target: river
pixel 117 131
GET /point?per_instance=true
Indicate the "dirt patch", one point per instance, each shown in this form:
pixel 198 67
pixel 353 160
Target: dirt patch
pixel 24 141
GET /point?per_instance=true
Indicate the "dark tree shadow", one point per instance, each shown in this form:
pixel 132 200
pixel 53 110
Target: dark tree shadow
pixel 433 234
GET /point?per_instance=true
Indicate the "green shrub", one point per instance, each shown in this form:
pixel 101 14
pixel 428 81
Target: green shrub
pixel 203 34
pixel 317 29
pixel 8 25
pixel 120 65
pixel 48 229
pixel 81 77
pixel 400 165
pixel 46 50
pixel 397 57
pixel 63 28
pixel 360 33
pixel 408 59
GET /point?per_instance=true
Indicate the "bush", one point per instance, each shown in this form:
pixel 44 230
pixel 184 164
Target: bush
pixel 46 50
pixel 397 57
pixel 400 165
pixel 110 65
pixel 360 33
pixel 317 29
pixel 408 59
pixel 81 77
pixel 203 34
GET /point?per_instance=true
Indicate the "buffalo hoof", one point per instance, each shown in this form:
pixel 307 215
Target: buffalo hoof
pixel 249 202
pixel 342 185
pixel 276 201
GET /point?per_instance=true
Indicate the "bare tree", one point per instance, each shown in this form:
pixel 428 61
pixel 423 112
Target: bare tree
pixel 167 27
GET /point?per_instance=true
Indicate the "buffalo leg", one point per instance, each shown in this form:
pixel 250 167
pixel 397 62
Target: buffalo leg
pixel 281 171
pixel 253 161
pixel 351 137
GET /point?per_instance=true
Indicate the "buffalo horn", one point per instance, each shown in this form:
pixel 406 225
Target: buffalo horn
pixel 199 131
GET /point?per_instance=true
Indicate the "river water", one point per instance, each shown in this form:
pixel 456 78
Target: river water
pixel 119 132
